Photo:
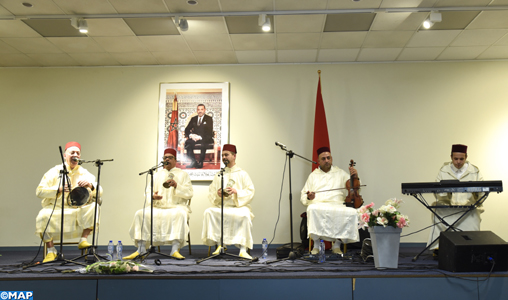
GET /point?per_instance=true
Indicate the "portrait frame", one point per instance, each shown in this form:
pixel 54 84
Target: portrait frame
pixel 178 106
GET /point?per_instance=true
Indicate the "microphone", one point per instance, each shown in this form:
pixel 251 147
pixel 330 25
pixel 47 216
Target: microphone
pixel 79 161
pixel 165 163
pixel 226 162
pixel 282 146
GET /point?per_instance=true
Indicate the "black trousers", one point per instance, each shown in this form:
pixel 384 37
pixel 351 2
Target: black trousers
pixel 190 145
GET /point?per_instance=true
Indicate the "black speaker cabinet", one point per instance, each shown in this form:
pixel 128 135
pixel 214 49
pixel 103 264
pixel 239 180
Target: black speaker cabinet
pixel 472 251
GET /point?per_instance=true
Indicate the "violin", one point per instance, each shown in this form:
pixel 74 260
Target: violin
pixel 353 199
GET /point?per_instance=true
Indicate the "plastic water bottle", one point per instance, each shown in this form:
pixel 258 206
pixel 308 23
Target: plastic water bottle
pixel 111 249
pixel 119 249
pixel 264 245
pixel 321 255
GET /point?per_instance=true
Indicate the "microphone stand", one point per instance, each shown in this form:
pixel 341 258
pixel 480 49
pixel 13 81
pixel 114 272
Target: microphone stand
pixel 92 250
pixel 222 251
pixel 292 254
pixel 144 256
pixel 59 256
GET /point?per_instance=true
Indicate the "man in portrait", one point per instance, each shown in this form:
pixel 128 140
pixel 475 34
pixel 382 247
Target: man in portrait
pixel 199 134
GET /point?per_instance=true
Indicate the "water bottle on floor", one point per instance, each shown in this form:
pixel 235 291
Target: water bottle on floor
pixel 119 249
pixel 111 249
pixel 264 245
pixel 321 255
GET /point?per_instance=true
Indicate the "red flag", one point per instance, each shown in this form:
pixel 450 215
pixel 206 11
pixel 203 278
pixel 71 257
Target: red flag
pixel 173 127
pixel 320 127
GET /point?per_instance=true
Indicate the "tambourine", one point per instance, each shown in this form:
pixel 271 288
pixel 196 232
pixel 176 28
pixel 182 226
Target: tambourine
pixel 79 196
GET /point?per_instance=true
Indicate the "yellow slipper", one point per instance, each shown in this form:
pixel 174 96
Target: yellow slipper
pixel 49 257
pixel 177 255
pixel 84 245
pixel 132 256
pixel 337 251
pixel 244 254
pixel 216 252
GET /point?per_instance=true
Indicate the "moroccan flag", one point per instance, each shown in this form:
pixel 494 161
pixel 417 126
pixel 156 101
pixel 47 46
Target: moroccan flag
pixel 173 127
pixel 320 127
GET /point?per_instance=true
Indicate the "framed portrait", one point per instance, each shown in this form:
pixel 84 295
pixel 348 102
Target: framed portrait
pixel 194 120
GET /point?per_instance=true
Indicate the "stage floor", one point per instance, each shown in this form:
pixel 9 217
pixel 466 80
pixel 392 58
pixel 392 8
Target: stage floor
pixel 230 279
pixel 351 265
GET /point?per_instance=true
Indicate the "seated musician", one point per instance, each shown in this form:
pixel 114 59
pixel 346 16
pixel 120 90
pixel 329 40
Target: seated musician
pixel 172 191
pixel 327 216
pixel 238 194
pixel 78 221
pixel 456 169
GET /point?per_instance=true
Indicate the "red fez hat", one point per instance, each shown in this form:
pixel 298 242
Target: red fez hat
pixel 72 144
pixel 229 147
pixel 171 151
pixel 459 148
pixel 323 149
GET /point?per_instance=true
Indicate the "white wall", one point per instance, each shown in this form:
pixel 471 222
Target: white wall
pixel 397 121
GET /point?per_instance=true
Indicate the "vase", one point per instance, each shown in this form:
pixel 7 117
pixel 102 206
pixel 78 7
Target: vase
pixel 385 245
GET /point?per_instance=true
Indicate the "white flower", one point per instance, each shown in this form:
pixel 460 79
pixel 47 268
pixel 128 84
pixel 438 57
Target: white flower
pixel 393 202
pixel 382 221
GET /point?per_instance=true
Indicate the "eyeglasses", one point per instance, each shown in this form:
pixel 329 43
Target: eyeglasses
pixel 168 157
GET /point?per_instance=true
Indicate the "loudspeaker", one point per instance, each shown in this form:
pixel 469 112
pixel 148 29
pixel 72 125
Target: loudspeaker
pixel 472 251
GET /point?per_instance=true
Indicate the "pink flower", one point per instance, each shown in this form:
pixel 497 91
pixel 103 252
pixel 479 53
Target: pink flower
pixel 365 217
pixel 135 268
pixel 402 222
pixel 369 205
pixel 375 213
pixel 362 210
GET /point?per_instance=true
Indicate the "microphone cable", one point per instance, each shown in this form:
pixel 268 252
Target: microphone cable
pixel 278 211
pixel 27 264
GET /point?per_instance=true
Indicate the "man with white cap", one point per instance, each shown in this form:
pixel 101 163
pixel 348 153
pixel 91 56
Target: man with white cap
pixel 327 217
pixel 78 221
pixel 238 193
pixel 172 191
pixel 459 168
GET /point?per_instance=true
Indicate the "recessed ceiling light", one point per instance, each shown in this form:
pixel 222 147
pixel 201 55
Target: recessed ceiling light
pixel 26 4
pixel 192 2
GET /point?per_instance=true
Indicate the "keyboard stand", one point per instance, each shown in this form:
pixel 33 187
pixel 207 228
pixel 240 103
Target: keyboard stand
pixel 422 200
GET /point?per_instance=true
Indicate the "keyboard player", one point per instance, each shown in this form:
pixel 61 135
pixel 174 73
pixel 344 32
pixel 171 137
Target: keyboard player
pixel 458 169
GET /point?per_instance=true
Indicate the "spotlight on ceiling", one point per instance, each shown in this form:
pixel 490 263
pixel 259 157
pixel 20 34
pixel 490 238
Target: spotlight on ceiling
pixel 264 22
pixel 182 23
pixel 433 18
pixel 80 24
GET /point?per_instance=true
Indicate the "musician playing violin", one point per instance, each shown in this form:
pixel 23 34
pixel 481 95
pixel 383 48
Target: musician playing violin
pixel 324 194
pixel 78 221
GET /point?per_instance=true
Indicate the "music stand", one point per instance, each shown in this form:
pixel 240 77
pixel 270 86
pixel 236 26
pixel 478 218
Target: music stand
pixel 92 250
pixel 222 251
pixel 59 256
pixel 151 250
pixel 292 254
pixel 422 200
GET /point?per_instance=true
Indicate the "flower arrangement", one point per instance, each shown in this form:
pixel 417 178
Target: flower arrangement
pixel 386 215
pixel 115 267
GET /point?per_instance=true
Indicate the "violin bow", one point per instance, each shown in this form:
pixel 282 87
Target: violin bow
pixel 336 189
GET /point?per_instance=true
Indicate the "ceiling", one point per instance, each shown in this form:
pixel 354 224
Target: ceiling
pixel 143 32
